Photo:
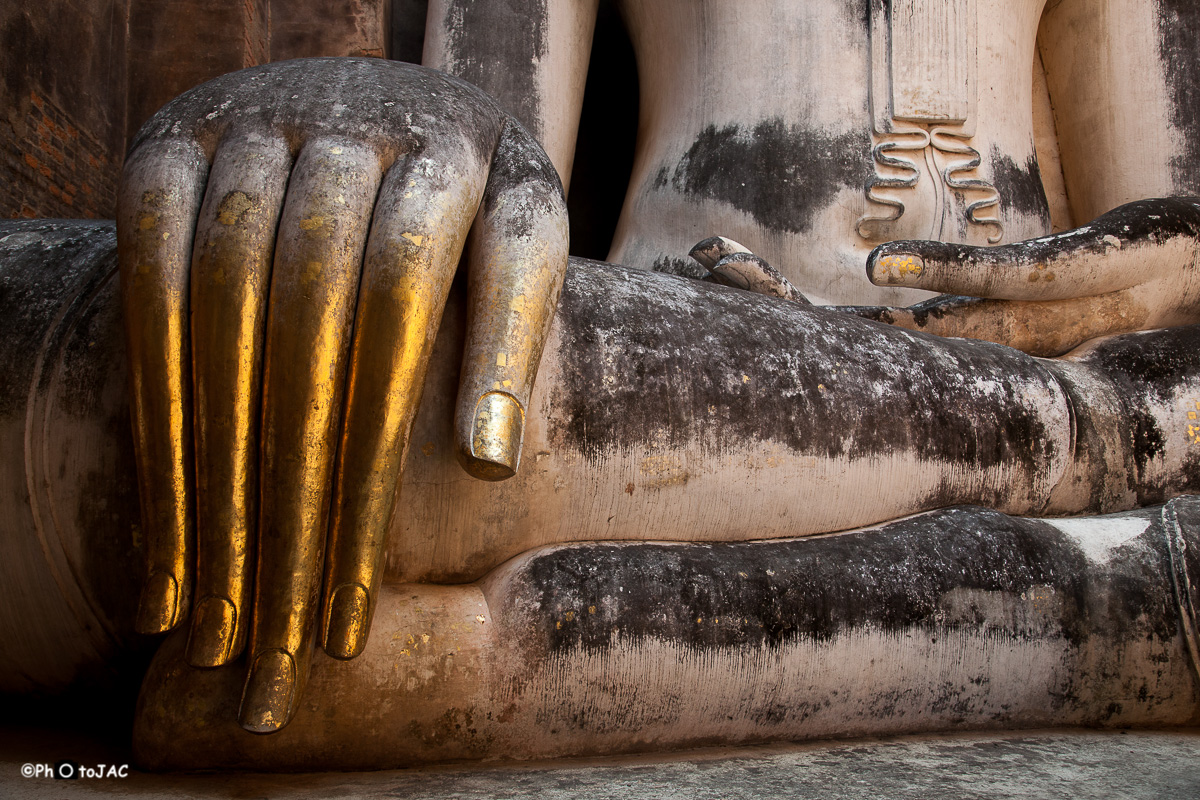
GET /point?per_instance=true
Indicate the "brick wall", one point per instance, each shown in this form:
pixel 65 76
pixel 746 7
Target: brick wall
pixel 62 106
pixel 308 28
pixel 80 76
pixel 50 168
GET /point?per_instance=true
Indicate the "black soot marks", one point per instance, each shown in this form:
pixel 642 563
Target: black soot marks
pixel 963 568
pixel 780 174
pixel 1152 364
pixel 520 159
pixel 1148 369
pixel 1020 186
pixel 654 360
pixel 1142 221
pixel 1179 31
pixel 515 32
pixel 934 308
pixel 683 267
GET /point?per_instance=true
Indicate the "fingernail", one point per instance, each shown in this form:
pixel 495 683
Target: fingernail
pixel 496 436
pixel 270 687
pixel 349 608
pixel 159 604
pixel 212 632
pixel 897 268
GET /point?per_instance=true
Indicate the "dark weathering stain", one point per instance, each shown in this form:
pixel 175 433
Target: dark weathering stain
pixel 683 267
pixel 694 364
pixel 780 174
pixel 1179 32
pixel 513 35
pixel 1020 186
pixel 23 47
pixel 962 569
pixel 43 264
pixel 1148 369
pixel 520 160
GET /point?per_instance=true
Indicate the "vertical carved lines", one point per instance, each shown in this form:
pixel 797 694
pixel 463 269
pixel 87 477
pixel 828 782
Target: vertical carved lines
pixel 931 57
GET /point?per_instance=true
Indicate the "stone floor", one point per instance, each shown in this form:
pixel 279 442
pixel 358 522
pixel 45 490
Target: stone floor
pixel 1150 765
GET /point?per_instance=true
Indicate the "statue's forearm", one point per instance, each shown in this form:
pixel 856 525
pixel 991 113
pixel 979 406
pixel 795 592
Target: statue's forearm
pixel 531 55
pixel 670 409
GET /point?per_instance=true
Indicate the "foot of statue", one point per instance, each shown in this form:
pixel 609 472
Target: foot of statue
pixel 953 620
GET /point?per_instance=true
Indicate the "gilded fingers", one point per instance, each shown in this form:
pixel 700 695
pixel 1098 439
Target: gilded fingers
pixel 314 287
pixel 159 199
pixel 272 290
pixel 230 276
pixel 422 215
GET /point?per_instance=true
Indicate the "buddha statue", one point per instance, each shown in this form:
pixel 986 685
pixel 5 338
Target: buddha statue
pixel 561 507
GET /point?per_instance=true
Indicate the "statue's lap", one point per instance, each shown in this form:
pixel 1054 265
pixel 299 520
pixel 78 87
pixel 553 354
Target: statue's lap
pixel 962 618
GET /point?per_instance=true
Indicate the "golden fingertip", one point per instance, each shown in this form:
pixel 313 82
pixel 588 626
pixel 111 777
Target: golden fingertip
pixel 212 633
pixel 269 694
pixel 158 610
pixel 495 437
pixel 349 614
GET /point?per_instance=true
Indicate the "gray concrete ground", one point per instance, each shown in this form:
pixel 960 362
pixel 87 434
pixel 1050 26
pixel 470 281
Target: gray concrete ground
pixel 1149 765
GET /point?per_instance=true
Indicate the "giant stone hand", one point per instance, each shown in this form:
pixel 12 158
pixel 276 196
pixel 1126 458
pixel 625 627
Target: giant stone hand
pixel 288 236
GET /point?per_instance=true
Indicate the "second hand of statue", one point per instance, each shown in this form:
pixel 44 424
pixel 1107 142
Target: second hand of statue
pixel 1131 269
pixel 312 257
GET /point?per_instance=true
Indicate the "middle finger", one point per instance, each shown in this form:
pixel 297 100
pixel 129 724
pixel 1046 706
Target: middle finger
pixel 313 292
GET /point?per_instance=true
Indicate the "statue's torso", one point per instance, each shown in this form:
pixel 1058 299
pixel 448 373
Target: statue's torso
pixel 770 123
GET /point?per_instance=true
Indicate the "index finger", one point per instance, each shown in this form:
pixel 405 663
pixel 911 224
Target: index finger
pixel 517 257
pixel 314 285
pixel 1123 248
